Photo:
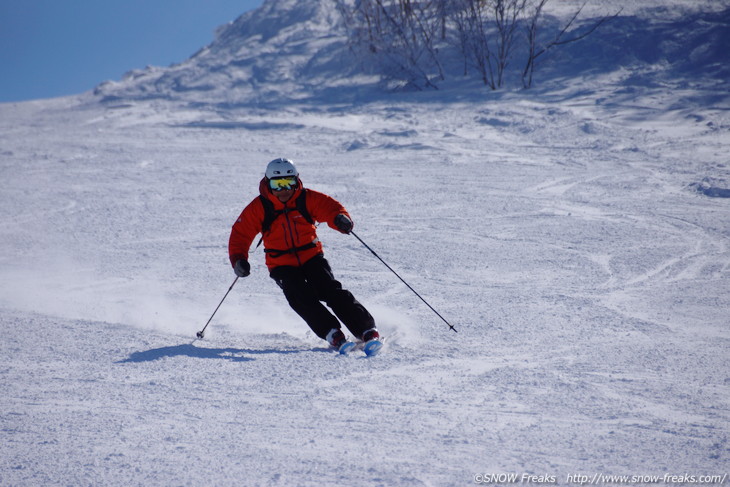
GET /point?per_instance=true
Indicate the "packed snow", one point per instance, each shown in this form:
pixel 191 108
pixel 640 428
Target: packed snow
pixel 576 235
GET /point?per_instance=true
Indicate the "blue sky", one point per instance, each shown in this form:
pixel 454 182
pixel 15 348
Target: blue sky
pixel 52 48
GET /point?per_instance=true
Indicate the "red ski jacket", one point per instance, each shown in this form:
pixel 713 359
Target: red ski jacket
pixel 291 239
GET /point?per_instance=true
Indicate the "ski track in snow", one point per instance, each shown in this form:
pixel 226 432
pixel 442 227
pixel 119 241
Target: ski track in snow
pixel 560 234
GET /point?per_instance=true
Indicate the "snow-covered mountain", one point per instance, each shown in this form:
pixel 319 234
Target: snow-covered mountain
pixel 296 50
pixel 283 49
pixel 575 234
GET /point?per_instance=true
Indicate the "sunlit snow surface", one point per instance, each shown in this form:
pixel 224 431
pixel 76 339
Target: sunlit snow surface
pixel 576 235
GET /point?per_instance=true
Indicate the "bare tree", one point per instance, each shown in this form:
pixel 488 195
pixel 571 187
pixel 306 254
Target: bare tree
pixel 532 29
pixel 534 51
pixel 442 16
pixel 402 35
pixel 403 39
pixel 486 31
pixel 473 37
pixel 506 16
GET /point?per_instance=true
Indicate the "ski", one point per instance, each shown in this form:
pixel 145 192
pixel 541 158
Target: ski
pixel 346 348
pixel 372 348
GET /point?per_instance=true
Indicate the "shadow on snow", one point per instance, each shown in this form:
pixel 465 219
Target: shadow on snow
pixel 190 350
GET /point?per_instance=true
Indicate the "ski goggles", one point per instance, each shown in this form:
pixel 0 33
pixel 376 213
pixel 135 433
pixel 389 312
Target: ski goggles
pixel 280 184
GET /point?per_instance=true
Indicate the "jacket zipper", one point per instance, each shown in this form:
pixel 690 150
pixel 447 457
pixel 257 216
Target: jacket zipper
pixel 291 236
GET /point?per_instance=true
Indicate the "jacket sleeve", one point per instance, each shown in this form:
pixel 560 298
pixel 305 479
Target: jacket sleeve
pixel 324 208
pixel 244 231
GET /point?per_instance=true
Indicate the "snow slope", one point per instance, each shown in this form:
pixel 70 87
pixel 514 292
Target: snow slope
pixel 575 235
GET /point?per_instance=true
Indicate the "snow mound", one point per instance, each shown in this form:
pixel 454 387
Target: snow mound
pixel 711 188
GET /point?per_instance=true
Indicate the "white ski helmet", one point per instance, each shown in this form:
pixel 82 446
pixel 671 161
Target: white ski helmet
pixel 281 167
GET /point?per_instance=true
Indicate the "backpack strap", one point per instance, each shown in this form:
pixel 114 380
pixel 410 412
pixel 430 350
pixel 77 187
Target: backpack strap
pixel 270 214
pixel 278 253
pixel 302 207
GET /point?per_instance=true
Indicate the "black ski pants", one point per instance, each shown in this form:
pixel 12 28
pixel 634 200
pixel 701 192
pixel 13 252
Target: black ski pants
pixel 306 287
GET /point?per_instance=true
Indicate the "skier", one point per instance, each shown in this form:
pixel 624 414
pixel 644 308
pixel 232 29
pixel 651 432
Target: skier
pixel 285 213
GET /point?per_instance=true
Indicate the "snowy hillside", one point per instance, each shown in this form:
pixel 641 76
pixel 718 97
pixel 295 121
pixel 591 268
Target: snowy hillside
pixel 292 50
pixel 277 51
pixel 577 235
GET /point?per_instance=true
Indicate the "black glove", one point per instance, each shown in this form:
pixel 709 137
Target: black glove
pixel 343 223
pixel 242 268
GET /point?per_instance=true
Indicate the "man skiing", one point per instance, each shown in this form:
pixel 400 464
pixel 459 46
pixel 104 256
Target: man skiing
pixel 285 214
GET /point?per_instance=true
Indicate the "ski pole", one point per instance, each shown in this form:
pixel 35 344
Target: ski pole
pixel 201 332
pixel 403 281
